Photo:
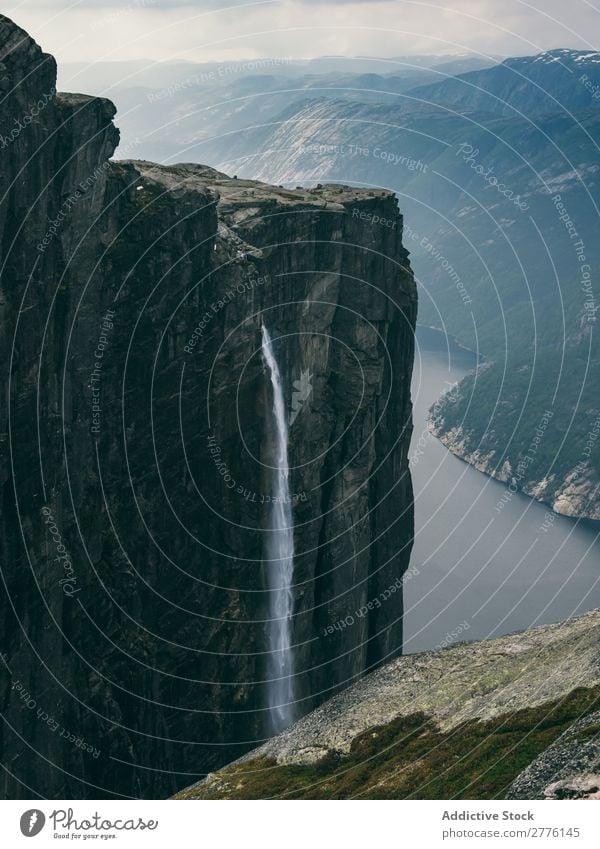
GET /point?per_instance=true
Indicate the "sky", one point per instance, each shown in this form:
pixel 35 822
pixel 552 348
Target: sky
pixel 217 30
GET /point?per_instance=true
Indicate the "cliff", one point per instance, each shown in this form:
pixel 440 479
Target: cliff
pixel 135 471
pixel 498 171
pixel 492 719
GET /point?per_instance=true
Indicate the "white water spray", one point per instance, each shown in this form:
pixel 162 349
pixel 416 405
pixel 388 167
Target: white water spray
pixel 279 555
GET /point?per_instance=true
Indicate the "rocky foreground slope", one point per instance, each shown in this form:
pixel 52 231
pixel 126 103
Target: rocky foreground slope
pixel 136 444
pixel 463 722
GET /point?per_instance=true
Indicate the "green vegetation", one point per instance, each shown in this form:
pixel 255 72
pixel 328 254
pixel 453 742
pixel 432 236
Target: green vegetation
pixel 502 407
pixel 590 732
pixel 532 284
pixel 411 758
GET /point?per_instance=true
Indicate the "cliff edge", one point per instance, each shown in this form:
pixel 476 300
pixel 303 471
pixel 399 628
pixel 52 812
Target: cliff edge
pixel 134 422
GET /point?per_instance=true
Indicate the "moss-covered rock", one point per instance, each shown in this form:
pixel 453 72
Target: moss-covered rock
pixel 463 722
pixel 412 758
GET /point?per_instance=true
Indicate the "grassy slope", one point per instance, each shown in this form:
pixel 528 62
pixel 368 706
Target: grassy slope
pixel 411 758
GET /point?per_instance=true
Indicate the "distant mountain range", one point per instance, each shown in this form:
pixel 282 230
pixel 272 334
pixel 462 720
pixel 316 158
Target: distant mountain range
pixel 558 80
pixel 99 76
pixel 497 172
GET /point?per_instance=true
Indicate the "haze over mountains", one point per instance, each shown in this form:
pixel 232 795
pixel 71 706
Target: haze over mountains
pixel 152 75
pixel 497 173
pixel 496 168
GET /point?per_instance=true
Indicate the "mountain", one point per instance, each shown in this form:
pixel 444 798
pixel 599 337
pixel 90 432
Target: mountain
pixel 98 76
pixel 515 717
pixel 141 448
pixel 166 108
pixel 169 121
pixel 558 80
pixel 501 216
pixel 498 172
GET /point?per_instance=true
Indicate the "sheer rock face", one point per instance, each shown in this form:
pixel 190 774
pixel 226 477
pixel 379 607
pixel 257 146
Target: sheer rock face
pixel 136 433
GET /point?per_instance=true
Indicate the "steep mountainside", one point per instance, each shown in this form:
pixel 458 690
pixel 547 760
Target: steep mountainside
pixel 464 722
pixel 525 85
pixel 502 211
pixel 136 470
pixel 539 433
pixel 173 110
pixel 203 110
pixel 96 77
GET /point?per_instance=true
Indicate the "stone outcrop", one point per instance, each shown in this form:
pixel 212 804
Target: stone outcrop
pixel 135 472
pixel 568 769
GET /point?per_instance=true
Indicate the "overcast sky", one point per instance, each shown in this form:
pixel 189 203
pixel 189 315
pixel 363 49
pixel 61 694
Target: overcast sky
pixel 208 30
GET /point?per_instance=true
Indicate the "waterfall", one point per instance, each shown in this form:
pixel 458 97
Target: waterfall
pixel 279 557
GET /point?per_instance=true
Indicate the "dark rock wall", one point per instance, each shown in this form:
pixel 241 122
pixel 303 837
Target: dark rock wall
pixel 136 443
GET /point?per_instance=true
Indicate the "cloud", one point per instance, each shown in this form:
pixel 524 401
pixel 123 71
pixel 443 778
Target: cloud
pixel 209 30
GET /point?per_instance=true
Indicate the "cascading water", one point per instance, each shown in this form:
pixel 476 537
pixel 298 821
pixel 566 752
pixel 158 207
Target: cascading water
pixel 279 557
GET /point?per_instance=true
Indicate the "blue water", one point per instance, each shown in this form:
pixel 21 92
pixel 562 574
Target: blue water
pixel 477 573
